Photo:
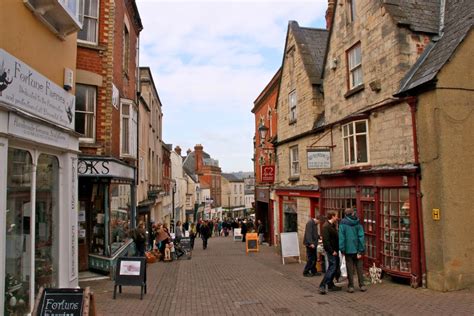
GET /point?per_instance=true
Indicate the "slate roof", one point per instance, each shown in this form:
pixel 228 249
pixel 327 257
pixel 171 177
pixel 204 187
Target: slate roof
pixel 189 163
pixel 231 178
pixel 458 22
pixel 417 15
pixel 312 44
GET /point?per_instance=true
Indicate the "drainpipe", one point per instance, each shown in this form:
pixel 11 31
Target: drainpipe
pixel 412 102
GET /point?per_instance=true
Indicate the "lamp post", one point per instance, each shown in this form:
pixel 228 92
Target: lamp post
pixel 173 189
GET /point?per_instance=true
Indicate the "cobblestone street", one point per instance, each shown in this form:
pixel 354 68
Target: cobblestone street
pixel 222 280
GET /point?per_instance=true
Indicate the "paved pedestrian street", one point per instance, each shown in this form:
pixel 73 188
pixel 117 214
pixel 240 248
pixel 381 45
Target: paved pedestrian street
pixel 223 280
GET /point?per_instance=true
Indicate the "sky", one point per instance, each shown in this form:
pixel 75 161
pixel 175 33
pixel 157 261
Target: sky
pixel 210 60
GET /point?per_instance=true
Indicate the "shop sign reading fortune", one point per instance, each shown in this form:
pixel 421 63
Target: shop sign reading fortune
pixel 24 88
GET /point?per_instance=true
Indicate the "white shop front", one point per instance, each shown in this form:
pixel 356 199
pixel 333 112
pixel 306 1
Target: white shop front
pixel 38 186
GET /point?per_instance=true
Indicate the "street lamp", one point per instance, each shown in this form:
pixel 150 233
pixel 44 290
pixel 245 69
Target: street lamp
pixel 263 133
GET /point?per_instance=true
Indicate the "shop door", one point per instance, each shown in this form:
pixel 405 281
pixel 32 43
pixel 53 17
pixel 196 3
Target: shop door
pixel 370 229
pixel 82 237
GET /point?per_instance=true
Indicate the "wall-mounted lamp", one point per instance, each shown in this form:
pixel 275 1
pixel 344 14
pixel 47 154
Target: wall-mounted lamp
pixel 263 132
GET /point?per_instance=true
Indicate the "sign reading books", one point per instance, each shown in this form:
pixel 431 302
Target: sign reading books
pixel 319 158
pixel 268 173
pixel 130 271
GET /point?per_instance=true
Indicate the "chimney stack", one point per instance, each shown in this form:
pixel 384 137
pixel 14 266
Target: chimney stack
pixel 198 149
pixel 188 151
pixel 330 13
pixel 177 149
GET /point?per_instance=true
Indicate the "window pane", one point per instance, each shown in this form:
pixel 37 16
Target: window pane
pixel 80 97
pixel 357 76
pixel 361 127
pixel 346 151
pixel 362 148
pixel 125 135
pixel 80 123
pixel 125 109
pixel 89 126
pixel 17 237
pixel 351 129
pixel 47 222
pixel 352 150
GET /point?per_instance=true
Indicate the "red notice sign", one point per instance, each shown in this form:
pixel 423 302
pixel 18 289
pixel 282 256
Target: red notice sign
pixel 268 173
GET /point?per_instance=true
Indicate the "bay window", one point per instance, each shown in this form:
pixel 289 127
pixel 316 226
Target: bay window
pixel 355 140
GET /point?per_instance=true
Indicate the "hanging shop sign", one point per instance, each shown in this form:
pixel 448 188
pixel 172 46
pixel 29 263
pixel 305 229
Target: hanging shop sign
pixel 263 195
pixel 104 168
pixel 24 88
pixel 268 173
pixel 319 158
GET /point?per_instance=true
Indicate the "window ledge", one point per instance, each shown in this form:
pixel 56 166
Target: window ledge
pixel 88 144
pixel 361 166
pixel 90 46
pixel 353 91
pixel 291 122
pixel 294 178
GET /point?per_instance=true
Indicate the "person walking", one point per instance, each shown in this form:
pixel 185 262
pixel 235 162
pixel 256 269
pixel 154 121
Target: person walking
pixel 192 234
pixel 243 229
pixel 352 246
pixel 311 242
pixel 331 246
pixel 260 231
pixel 139 237
pixel 205 234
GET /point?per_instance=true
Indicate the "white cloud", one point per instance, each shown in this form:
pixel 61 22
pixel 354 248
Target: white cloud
pixel 210 60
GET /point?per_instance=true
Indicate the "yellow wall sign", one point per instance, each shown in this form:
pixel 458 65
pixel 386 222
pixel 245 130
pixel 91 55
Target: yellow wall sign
pixel 436 214
pixel 251 242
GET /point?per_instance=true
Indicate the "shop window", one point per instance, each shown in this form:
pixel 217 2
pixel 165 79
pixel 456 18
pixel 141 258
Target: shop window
pixel 369 222
pixel 120 207
pixel 290 216
pixel 354 66
pixel 89 17
pixel 292 106
pixel 18 232
pixel 395 232
pixel 86 97
pixel 294 162
pixel 356 146
pixel 129 126
pixel 338 199
pixel 47 222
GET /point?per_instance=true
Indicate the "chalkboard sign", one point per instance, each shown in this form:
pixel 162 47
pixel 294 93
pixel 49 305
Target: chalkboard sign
pixel 130 271
pixel 251 240
pixel 60 302
pixel 185 243
pixel 289 246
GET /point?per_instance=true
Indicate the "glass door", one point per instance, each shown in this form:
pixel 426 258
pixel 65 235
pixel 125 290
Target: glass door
pixel 370 225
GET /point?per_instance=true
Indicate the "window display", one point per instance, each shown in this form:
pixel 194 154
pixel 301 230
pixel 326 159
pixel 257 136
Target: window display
pixel 119 215
pixel 18 241
pixel 369 221
pixel 290 216
pixel 395 230
pixel 338 199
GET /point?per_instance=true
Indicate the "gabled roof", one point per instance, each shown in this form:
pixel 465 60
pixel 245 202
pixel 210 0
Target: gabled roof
pixel 417 15
pixel 458 23
pixel 189 163
pixel 312 44
pixel 231 178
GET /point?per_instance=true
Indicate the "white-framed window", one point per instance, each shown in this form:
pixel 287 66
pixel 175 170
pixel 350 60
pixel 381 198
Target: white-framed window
pixel 355 136
pixel 128 127
pixel 73 6
pixel 351 10
pixel 294 161
pixel 354 57
pixel 89 17
pixel 86 97
pixel 292 105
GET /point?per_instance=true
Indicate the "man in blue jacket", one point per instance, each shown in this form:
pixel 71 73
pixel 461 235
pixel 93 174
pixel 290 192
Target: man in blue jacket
pixel 352 246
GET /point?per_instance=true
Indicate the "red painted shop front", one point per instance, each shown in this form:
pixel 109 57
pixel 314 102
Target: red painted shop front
pixel 387 206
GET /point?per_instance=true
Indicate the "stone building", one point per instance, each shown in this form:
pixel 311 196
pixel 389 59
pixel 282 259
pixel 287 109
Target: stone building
pixel 300 108
pixel 232 193
pixel 442 87
pixel 168 186
pixel 107 119
pixel 150 142
pixel 38 151
pixel 369 132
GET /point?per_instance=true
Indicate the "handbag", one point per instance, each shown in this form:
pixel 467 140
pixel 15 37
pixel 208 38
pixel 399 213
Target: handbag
pixel 343 265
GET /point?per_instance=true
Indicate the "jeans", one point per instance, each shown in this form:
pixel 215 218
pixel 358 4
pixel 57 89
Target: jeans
pixel 353 263
pixel 204 243
pixel 333 263
pixel 311 261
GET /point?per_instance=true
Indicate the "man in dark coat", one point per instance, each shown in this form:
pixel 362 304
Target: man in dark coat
pixel 331 246
pixel 205 234
pixel 311 242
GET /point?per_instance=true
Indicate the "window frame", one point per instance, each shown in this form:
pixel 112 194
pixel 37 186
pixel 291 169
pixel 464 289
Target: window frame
pixel 126 49
pixel 94 113
pixel 351 69
pixel 351 10
pixel 292 106
pixel 81 19
pixel 353 136
pixel 132 151
pixel 294 163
